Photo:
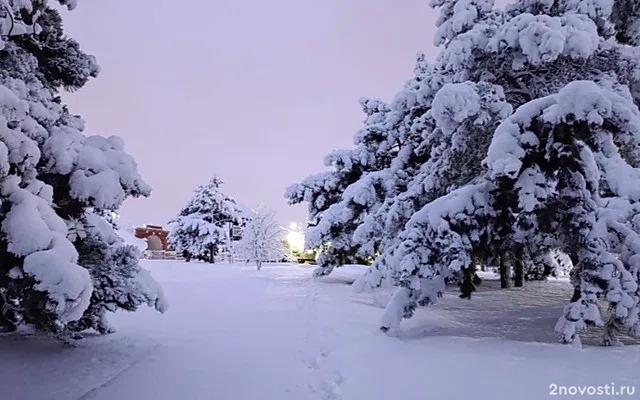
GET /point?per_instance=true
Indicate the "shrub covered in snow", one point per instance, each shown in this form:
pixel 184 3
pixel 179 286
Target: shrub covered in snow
pixel 519 148
pixel 55 182
pixel 262 239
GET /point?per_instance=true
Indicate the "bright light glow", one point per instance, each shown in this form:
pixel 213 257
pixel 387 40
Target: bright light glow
pixel 295 240
pixel 293 226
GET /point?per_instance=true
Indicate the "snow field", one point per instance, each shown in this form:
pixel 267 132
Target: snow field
pixel 236 333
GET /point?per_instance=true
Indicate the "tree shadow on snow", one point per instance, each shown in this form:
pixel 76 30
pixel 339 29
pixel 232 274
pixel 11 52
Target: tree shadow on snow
pixel 525 314
pixel 27 358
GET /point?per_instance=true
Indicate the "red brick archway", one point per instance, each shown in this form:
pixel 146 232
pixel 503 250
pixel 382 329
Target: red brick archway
pixel 154 243
pixel 154 230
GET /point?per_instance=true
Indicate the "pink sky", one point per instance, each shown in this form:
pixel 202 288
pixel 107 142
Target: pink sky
pixel 256 92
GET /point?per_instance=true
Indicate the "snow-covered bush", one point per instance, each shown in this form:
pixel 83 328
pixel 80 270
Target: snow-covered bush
pixel 201 229
pixel 51 174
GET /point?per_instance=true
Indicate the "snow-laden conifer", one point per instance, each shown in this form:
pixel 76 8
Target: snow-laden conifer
pixel 527 154
pixel 52 177
pixel 202 228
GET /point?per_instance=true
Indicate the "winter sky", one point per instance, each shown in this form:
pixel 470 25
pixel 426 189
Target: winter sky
pixel 254 91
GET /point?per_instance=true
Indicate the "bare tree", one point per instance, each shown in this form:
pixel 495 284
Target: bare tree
pixel 262 239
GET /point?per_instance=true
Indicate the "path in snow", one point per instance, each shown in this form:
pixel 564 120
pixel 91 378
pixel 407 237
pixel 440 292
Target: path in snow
pixel 231 338
pixel 316 349
pixel 233 333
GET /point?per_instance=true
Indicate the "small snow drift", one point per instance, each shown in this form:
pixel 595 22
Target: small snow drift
pixel 347 274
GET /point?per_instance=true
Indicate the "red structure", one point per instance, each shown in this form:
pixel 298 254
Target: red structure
pixel 156 237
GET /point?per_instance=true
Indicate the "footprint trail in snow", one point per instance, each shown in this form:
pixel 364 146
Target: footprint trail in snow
pixel 327 377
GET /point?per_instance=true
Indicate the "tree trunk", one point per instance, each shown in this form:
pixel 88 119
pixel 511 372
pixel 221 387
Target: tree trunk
pixel 576 294
pixel 476 279
pixel 467 286
pixel 259 264
pixel 211 256
pixel 518 280
pixel 518 267
pixel 504 274
pixel 574 278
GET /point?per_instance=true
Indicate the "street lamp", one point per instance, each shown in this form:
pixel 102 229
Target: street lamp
pixel 295 238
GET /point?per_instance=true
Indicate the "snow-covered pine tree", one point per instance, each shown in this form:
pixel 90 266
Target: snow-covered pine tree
pixel 459 125
pixel 341 200
pixel 550 183
pixel 54 180
pixel 262 239
pixel 454 211
pixel 625 15
pixel 201 229
pixel 562 157
pixel 118 280
pixel 323 191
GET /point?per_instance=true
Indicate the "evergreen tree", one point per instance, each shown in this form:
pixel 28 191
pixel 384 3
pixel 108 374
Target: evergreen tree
pixel 118 280
pixel 458 123
pixel 625 15
pixel 342 199
pixel 54 179
pixel 552 185
pixel 509 190
pixel 262 239
pixel 201 230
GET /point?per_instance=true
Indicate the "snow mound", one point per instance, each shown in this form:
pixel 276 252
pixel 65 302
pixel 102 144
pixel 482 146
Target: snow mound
pixel 348 274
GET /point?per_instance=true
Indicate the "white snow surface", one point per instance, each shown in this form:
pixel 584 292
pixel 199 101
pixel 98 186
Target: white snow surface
pixel 288 336
pixel 348 274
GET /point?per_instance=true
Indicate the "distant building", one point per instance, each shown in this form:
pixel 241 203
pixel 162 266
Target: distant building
pixel 156 237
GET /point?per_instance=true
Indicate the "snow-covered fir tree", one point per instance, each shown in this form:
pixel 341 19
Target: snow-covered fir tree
pixel 55 182
pixel 625 15
pixel 531 131
pixel 119 282
pixel 262 239
pixel 201 229
pixel 362 178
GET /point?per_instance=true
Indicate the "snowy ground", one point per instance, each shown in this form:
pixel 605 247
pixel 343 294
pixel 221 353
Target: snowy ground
pixel 233 333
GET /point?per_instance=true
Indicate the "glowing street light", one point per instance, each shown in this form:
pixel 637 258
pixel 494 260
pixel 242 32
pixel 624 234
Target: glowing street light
pixel 295 241
pixel 295 238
